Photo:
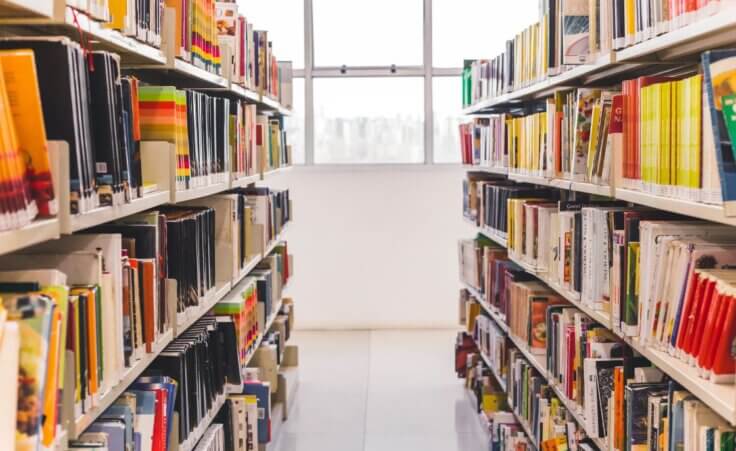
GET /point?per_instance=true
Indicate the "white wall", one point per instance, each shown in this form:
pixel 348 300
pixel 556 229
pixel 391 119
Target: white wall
pixel 375 246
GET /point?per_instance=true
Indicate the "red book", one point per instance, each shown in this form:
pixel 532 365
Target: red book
pixel 627 128
pixel 724 365
pixel 699 313
pixel 713 326
pixel 570 372
pixel 160 421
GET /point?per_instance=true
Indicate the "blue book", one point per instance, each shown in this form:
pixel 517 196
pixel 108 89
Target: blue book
pixel 145 411
pixel 718 66
pixel 170 385
pixel 123 414
pixel 262 392
pixel 115 431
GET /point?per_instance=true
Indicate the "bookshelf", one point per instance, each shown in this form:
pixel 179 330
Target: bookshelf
pixel 199 431
pixel 705 33
pixel 84 421
pixel 152 64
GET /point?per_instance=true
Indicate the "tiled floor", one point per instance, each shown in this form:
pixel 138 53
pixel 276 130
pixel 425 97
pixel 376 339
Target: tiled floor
pixel 379 391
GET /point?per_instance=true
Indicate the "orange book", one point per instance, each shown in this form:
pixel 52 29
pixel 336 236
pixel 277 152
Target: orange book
pixel 48 432
pixel 21 84
pixel 149 303
pixel 618 400
pixel 14 197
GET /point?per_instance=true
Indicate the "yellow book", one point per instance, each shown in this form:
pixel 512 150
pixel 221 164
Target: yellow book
pixel 493 402
pixel 593 27
pixel 644 120
pixel 118 10
pixel 21 84
pixel 677 163
pixel 74 313
pixel 694 147
pixel 665 113
pixel 630 19
pixel 683 177
pixel 473 310
pixel 595 123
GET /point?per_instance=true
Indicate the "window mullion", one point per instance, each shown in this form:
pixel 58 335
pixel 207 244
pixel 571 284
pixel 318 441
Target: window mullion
pixel 428 110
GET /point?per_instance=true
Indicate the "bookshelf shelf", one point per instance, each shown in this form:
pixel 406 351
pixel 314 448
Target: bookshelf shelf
pixel 719 397
pixel 189 70
pixel 27 8
pixel 592 188
pixel 705 33
pixel 34 233
pixel 206 303
pixel 199 192
pixel 482 418
pixel 501 381
pixel 242 182
pixel 280 410
pixel 525 426
pixel 488 169
pixel 531 179
pixel 54 18
pixel 102 215
pixel 275 171
pixel 201 428
pixel 713 213
pixel 543 87
pixel 576 413
pixel 83 422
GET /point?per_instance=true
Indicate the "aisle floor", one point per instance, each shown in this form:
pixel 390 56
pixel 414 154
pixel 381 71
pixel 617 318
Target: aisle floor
pixel 379 391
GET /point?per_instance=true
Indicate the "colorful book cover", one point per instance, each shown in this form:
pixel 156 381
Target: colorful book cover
pixel 33 312
pixel 729 116
pixel 21 83
pixel 719 70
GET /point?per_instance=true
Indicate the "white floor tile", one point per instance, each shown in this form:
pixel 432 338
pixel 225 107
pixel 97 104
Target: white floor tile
pixel 379 391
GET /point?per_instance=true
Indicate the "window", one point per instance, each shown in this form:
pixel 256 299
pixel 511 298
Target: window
pixel 369 120
pixel 368 33
pixel 295 123
pixel 284 21
pixel 447 99
pixel 371 114
pixel 474 29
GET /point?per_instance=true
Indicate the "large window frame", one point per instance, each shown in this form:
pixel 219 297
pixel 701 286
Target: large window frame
pixel 426 70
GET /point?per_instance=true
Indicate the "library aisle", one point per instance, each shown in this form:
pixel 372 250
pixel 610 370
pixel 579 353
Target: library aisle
pixel 379 391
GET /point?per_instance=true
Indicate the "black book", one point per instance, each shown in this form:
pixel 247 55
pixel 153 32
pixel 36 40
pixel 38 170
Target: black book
pixel 62 81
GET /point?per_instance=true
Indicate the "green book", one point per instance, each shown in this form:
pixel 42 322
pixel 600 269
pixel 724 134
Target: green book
pixel 729 115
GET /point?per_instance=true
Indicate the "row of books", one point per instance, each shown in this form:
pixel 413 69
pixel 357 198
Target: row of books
pixel 212 135
pixel 202 32
pixel 253 64
pixel 621 398
pixel 196 379
pixel 527 415
pixel 619 260
pixel 104 117
pixel 139 263
pixel 575 32
pixel 663 135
